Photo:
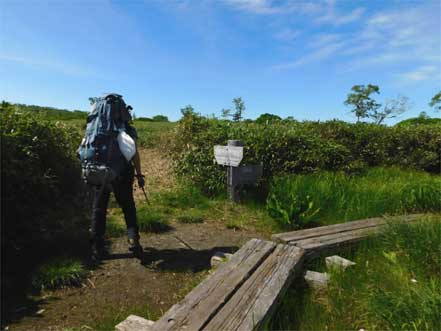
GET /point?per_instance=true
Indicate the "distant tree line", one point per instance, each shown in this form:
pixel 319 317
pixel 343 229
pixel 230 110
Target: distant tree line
pixel 50 112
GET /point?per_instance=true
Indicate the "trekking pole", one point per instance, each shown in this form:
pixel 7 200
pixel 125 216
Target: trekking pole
pixel 145 194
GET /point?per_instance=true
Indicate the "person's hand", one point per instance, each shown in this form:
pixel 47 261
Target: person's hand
pixel 141 181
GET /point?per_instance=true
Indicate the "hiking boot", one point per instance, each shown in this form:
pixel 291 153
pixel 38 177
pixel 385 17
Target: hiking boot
pixel 98 250
pixel 134 246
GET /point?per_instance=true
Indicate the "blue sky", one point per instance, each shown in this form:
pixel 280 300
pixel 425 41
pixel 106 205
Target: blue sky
pixel 290 58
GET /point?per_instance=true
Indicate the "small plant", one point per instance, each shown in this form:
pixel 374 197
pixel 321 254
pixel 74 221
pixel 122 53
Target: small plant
pixel 191 217
pixel 58 273
pixel 235 224
pixel 294 212
pixel 152 221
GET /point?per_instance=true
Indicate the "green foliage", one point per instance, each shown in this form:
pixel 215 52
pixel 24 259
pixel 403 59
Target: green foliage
pixel 93 100
pixel 327 197
pixel 423 119
pixel 394 286
pixel 360 99
pixel 48 113
pixel 191 216
pixel 115 314
pixel 150 220
pixel 267 118
pixel 435 102
pixel 289 209
pixel 38 164
pixel 58 273
pixel 183 197
pixel 239 106
pixel 300 147
pixel 152 134
pixel 114 228
pixel 160 118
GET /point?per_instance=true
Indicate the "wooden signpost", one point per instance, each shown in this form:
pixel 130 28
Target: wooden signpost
pixel 231 156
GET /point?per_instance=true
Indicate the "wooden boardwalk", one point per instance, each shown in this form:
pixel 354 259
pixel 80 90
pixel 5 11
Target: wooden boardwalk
pixel 243 292
pixel 327 238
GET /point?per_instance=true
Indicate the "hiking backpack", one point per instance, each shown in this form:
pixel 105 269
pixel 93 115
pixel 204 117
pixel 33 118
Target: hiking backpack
pixel 99 152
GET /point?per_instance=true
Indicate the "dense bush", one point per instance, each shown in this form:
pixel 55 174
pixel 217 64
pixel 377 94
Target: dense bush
pixel 302 147
pixel 39 170
pixel 332 197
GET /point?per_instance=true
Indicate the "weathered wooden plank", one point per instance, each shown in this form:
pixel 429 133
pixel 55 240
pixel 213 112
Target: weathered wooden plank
pixel 341 227
pixel 135 323
pixel 208 297
pixel 256 299
pixel 333 240
pixel 327 230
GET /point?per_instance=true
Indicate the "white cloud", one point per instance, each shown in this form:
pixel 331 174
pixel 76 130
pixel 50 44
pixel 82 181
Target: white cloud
pixel 422 73
pixel 287 34
pixel 253 6
pixel 269 7
pixel 63 67
pixel 332 16
pixel 319 54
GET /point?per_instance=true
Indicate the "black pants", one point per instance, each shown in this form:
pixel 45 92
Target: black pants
pixel 123 191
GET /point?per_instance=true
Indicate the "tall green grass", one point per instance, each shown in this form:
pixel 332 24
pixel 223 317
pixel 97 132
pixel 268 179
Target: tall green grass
pixel 332 197
pixel 395 285
pixel 62 271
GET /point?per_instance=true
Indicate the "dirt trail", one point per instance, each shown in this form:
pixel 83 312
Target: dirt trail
pixel 172 263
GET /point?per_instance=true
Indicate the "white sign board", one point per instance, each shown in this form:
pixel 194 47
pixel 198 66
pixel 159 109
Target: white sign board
pixel 228 155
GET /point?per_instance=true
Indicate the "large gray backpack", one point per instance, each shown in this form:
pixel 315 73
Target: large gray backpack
pixel 99 152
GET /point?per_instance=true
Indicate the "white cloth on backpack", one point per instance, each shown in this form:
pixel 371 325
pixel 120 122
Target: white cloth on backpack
pixel 126 145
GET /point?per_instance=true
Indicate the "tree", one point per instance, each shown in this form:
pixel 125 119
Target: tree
pixel 267 118
pixel 239 106
pixel 188 111
pixel 92 100
pixel 423 115
pixel 360 99
pixel 436 101
pixel 392 109
pixel 160 118
pixel 226 112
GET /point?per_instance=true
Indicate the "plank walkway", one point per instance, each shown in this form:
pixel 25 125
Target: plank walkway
pixel 327 238
pixel 241 294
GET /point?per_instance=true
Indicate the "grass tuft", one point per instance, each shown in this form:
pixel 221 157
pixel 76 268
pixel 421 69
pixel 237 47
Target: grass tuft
pixel 191 216
pixel 114 227
pixel 184 197
pixel 152 221
pixel 58 273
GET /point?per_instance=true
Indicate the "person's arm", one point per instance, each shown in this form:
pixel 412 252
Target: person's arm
pixel 137 163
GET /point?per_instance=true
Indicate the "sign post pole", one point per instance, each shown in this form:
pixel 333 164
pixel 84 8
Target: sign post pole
pixel 231 156
pixel 231 180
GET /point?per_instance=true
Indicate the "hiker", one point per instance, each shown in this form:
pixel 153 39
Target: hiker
pixel 107 167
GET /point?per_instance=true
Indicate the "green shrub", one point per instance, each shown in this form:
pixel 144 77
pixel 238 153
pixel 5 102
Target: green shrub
pixel 301 147
pixel 58 273
pixel 326 197
pixel 39 172
pixel 151 221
